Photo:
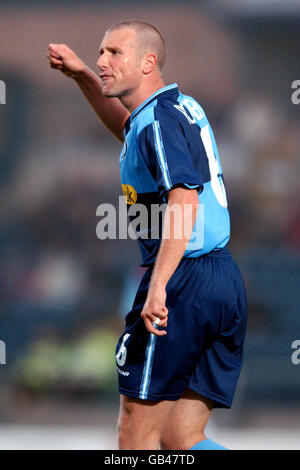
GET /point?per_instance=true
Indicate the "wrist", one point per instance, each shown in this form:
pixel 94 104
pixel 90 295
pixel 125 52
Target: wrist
pixel 158 283
pixel 81 73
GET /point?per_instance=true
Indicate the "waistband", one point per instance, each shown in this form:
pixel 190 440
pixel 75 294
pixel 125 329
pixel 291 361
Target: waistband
pixel 218 253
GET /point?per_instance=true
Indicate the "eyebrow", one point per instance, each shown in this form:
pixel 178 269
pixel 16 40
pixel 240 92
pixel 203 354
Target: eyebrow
pixel 109 48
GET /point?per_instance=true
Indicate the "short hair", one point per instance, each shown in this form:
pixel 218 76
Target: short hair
pixel 150 38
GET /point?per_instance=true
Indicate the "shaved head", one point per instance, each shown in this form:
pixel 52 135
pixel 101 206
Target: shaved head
pixel 148 39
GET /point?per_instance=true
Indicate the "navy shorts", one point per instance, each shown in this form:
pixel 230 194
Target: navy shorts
pixel 203 350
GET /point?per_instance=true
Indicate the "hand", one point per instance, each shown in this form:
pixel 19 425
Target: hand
pixel 155 307
pixel 61 57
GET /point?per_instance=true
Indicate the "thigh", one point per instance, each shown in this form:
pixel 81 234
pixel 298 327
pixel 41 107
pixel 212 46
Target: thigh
pixel 141 422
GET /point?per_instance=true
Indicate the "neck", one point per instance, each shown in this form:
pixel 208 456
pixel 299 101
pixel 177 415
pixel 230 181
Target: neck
pixel 134 100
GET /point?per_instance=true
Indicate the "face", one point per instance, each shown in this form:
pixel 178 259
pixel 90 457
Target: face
pixel 119 66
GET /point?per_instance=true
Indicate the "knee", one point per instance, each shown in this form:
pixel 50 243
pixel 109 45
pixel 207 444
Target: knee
pixel 123 437
pixel 124 427
pixel 176 440
pixel 171 440
pixel 165 442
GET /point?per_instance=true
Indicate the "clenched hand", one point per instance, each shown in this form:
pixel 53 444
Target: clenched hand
pixel 61 57
pixel 155 307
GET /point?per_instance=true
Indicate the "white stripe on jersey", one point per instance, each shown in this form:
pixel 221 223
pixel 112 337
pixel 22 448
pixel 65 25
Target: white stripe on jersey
pixel 160 152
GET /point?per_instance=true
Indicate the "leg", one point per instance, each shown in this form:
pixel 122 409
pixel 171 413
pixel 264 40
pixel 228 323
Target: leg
pixel 186 422
pixel 140 422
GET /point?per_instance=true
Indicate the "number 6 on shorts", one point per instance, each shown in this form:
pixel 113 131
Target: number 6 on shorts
pixel 122 353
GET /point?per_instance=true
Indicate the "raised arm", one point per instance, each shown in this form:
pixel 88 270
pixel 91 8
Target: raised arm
pixel 110 110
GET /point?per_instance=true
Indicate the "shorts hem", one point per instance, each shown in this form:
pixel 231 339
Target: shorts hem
pixel 150 396
pixel 219 402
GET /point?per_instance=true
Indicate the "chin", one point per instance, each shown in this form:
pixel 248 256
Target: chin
pixel 110 94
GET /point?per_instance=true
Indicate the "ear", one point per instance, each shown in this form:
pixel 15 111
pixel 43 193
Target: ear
pixel 149 63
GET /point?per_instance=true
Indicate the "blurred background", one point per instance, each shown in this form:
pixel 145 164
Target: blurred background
pixel 63 292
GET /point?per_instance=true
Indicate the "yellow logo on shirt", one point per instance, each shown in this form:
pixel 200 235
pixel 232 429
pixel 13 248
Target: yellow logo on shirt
pixel 130 193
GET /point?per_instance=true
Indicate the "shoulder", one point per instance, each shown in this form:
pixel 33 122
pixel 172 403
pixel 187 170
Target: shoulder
pixel 175 113
pixel 157 114
pixel 182 112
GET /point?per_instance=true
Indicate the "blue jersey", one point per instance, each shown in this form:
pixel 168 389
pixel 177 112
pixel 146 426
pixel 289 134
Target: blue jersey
pixel 169 143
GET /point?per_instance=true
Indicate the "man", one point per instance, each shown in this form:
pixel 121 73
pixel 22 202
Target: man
pixel 181 352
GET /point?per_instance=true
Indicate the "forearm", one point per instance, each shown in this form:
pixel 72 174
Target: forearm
pixel 176 235
pixel 110 110
pixel 177 232
pixel 169 256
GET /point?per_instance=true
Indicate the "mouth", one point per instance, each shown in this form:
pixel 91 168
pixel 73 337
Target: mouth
pixel 105 77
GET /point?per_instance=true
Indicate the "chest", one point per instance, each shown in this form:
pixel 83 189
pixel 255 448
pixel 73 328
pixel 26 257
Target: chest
pixel 136 169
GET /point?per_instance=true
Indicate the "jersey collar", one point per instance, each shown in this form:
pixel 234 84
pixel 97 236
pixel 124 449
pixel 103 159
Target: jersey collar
pixel 146 102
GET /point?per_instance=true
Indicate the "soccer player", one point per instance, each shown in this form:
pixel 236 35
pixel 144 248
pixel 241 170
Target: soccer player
pixel 181 352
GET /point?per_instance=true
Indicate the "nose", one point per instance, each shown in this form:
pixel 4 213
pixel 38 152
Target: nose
pixel 102 62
